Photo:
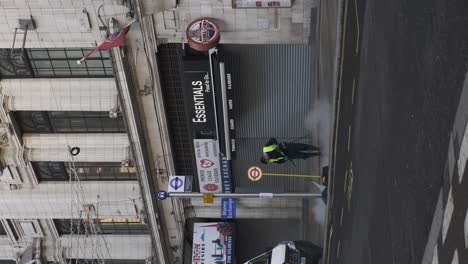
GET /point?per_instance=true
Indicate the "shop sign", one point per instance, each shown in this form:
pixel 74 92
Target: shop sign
pixel 261 3
pixel 228 208
pixel 203 34
pixel 213 243
pixel 214 175
pixel 200 106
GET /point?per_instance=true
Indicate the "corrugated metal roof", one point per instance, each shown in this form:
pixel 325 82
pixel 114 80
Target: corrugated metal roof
pixel 273 92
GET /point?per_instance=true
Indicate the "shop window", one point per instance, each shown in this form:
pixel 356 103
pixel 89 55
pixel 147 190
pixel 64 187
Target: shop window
pixel 49 63
pixel 86 171
pixel 68 122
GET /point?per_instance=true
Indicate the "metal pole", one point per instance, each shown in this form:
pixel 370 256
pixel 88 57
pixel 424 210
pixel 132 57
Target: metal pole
pixel 246 195
pixel 293 175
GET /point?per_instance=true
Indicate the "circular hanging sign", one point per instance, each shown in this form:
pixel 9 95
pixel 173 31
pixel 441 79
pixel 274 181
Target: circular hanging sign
pixel 254 173
pixel 203 34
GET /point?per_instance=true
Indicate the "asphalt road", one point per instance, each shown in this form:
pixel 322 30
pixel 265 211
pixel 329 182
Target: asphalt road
pixel 403 66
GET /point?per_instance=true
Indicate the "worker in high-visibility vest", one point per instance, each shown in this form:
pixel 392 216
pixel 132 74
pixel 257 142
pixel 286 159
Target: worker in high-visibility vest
pixel 274 152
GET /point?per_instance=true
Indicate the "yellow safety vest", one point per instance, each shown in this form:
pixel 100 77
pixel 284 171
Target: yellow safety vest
pixel 271 148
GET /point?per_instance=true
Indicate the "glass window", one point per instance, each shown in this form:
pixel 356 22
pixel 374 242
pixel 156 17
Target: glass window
pixel 2 230
pixel 74 53
pixel 59 54
pixel 39 54
pixel 86 171
pixel 42 64
pixel 54 63
pixel 68 122
pixel 121 226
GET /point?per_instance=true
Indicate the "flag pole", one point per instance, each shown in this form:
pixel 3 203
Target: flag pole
pixel 97 48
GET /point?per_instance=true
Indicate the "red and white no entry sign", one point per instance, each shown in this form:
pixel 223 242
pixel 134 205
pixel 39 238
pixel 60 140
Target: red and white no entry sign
pixel 254 173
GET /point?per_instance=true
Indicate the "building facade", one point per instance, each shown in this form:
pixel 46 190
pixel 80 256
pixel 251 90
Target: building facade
pixel 84 148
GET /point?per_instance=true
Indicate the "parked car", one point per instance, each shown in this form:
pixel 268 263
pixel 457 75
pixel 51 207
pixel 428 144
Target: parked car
pixel 290 252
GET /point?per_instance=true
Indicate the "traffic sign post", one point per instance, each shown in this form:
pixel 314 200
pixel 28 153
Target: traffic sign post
pixel 207 198
pixel 255 174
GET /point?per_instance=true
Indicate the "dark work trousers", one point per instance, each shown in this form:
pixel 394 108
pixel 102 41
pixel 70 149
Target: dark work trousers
pixel 300 150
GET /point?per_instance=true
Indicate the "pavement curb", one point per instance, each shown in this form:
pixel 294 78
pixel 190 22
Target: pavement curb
pixel 336 80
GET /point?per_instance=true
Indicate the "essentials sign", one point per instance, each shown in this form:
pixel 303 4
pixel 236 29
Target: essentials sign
pixel 199 102
pixel 201 110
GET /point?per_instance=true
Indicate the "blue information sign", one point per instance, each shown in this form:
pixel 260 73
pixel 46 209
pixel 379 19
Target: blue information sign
pixel 228 208
pixel 162 195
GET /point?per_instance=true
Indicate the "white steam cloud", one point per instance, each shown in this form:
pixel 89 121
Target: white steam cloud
pixel 318 122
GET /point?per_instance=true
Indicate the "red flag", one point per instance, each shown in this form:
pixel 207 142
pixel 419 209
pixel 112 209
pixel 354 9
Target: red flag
pixel 117 39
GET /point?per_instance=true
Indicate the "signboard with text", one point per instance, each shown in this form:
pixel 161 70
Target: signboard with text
pixel 204 85
pixel 213 243
pixel 200 105
pixel 179 184
pixel 214 173
pixel 228 208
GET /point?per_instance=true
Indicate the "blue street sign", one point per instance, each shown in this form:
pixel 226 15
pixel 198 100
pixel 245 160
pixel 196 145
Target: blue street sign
pixel 228 208
pixel 176 183
pixel 162 195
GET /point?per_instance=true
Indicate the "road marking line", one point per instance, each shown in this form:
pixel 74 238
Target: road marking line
pixel 434 233
pixel 466 230
pixel 341 218
pixel 357 22
pixel 350 185
pixel 463 155
pixel 349 137
pixel 345 185
pixel 447 215
pixel 435 258
pixel 455 257
pixel 329 242
pixel 338 249
pixel 451 160
pixel 352 94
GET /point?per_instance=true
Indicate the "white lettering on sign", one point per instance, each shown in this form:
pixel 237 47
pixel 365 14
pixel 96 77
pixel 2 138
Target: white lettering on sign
pixel 228 80
pixel 199 102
